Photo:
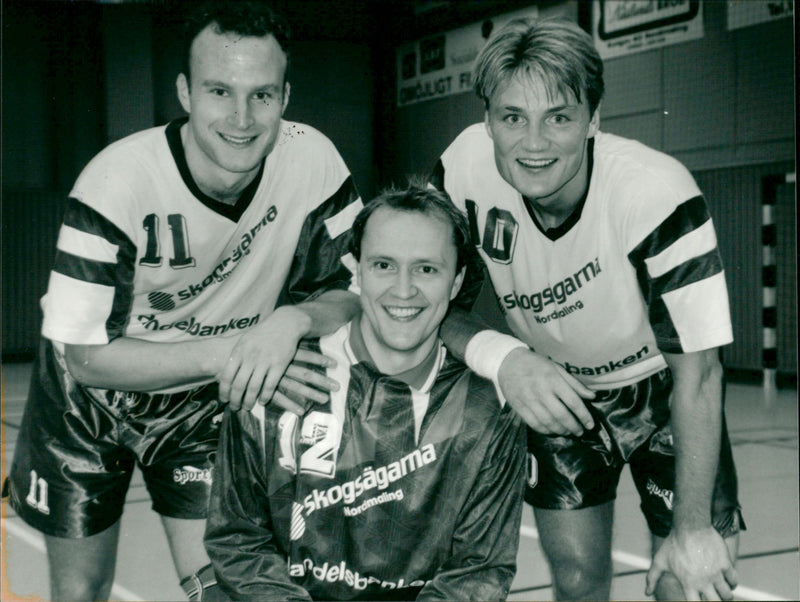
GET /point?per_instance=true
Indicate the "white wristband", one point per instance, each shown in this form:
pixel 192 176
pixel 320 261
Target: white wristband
pixel 487 350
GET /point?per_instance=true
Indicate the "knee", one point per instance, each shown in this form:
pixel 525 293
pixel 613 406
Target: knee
pixel 581 577
pixel 669 588
pixel 82 587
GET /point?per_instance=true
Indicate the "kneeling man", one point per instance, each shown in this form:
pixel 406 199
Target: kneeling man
pixel 408 485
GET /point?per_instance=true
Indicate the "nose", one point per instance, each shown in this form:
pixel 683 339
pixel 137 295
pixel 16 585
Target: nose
pixel 242 116
pixel 404 287
pixel 535 138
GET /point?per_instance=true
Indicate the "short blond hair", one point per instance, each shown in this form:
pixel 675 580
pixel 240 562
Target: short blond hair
pixel 554 51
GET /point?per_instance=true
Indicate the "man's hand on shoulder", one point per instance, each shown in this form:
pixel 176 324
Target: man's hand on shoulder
pixel 545 396
pixel 260 357
pixel 305 382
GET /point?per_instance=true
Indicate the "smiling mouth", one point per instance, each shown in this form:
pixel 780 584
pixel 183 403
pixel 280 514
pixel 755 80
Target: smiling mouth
pixel 237 140
pixel 536 163
pixel 403 314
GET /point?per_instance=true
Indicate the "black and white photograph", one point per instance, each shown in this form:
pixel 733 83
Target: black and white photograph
pixel 399 300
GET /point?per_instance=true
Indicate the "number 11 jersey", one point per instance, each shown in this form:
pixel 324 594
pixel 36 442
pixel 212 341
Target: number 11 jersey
pixel 144 253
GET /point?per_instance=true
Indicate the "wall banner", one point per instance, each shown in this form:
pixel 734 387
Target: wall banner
pixel 441 65
pixel 743 13
pixel 624 27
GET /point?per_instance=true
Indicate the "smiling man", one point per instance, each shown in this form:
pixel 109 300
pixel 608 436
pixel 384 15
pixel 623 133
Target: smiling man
pixel 409 483
pixel 190 253
pixel 604 261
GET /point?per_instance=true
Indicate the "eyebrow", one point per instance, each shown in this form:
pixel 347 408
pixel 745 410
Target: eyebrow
pixel 414 261
pixel 213 83
pixel 553 109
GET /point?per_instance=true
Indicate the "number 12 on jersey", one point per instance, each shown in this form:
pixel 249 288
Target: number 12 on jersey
pixel 321 431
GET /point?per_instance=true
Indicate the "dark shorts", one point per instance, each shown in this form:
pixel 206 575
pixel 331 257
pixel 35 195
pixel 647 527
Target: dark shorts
pixel 77 448
pixel 632 426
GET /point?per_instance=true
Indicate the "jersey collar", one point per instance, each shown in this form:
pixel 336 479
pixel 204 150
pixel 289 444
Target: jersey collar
pixel 232 212
pixel 561 230
pixel 420 377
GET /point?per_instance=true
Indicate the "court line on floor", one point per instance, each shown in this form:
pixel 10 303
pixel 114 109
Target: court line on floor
pixel 640 562
pixel 36 541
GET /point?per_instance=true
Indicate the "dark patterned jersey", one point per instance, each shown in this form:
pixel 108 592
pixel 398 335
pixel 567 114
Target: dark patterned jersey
pixel 634 271
pixel 393 490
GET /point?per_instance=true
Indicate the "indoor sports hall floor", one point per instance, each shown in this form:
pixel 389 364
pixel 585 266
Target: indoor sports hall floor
pixel 763 431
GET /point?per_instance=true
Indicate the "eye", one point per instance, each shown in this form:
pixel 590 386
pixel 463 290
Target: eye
pixel 263 96
pixel 219 91
pixel 514 119
pixel 560 119
pixel 382 266
pixel 427 270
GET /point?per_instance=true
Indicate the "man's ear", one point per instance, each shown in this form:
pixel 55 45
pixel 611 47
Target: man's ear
pixel 287 88
pixel 459 280
pixel 182 86
pixel 486 123
pixel 594 123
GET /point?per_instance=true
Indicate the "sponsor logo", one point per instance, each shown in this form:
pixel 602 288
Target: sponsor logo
pixel 559 313
pixel 371 478
pixel 195 328
pixel 332 573
pixel 161 301
pixel 557 294
pixel 386 496
pixel 606 368
pixel 664 494
pixel 226 267
pixel 298 524
pixel 190 474
pixel 319 430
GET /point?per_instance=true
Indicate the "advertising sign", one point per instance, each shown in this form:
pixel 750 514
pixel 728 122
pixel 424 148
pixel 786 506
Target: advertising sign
pixel 441 65
pixel 743 13
pixel 623 27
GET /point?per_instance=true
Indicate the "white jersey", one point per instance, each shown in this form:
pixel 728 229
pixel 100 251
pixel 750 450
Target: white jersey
pixel 143 253
pixel 633 272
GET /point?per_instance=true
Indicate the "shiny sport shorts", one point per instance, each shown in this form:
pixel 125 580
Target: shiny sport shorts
pixel 631 427
pixel 78 446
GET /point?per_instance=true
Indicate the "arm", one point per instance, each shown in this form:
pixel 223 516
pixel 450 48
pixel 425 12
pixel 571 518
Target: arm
pixel 239 533
pixel 547 398
pixel 694 552
pixel 129 364
pixel 248 367
pixel 484 547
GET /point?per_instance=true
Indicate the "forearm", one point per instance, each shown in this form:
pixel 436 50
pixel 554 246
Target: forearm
pixel 324 314
pixel 696 421
pixel 458 329
pixel 129 364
